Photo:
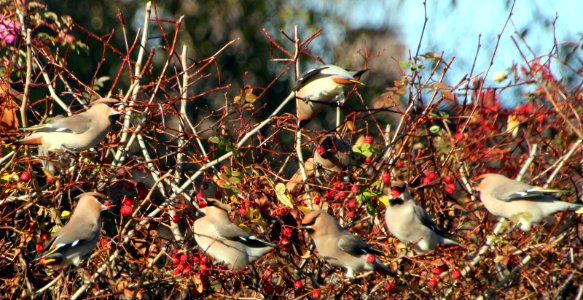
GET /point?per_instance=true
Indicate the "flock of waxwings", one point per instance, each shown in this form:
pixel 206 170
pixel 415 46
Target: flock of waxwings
pixel 226 242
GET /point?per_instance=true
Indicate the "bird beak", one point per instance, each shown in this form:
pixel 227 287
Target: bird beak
pixel 200 214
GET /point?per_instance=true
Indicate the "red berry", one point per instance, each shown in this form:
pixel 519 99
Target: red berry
pixel 175 260
pixel 350 214
pixel 450 188
pixel 243 211
pixel 127 201
pixel 341 195
pixel 39 247
pixel 203 259
pixel 370 258
pixel 25 176
pixel 44 236
pixel 50 180
pixel 433 281
pixel 317 200
pixel 298 284
pixel 268 287
pixel 374 200
pixel 186 269
pixel 223 169
pixel 128 186
pixel 142 190
pixel 448 179
pixel 201 204
pixel 390 286
pixel 431 175
pixel 456 274
pixel 248 203
pixel 199 195
pixel 367 160
pixel 386 177
pixel 126 210
pixel 175 219
pixel 321 150
pixel 437 270
pixel 354 188
pixel 175 250
pixel 184 257
pixel 121 172
pixel 339 185
pixel 177 271
pixel 399 164
pixel 368 139
pixel 316 294
pixel 330 194
pixel 218 194
pixel 458 136
pixel 287 232
pixel 395 193
pixel 351 204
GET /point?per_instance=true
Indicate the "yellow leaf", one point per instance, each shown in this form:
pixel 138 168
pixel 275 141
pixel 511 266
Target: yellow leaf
pixel 580 211
pixel 513 125
pixel 384 199
pixel 65 214
pixel 280 192
pixel 447 94
pixel 440 86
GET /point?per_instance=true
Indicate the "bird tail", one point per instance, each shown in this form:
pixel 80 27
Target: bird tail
pixel 29 140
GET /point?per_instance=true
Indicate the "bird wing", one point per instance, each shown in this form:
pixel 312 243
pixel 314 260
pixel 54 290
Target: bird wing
pixel 309 76
pixel 353 245
pixel 521 191
pixel 60 244
pixel 426 219
pixel 73 124
pixel 232 232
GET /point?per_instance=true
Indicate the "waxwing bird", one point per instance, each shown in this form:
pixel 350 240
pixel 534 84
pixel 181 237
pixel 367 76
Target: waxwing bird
pixel 332 156
pixel 79 237
pixel 319 87
pixel 410 223
pixel 518 201
pixel 339 247
pixel 222 239
pixel 77 132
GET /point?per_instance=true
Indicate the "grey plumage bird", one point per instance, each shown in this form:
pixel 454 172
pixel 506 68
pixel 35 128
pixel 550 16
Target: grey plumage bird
pixel 79 237
pixel 320 87
pixel 339 247
pixel 332 156
pixel 518 201
pixel 410 223
pixel 77 132
pixel 220 238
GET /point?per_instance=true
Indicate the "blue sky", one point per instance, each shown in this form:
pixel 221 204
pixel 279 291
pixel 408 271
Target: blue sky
pixel 454 28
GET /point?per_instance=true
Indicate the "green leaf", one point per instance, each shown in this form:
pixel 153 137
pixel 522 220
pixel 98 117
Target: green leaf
pixel 280 192
pixel 234 180
pixel 434 129
pixel 215 139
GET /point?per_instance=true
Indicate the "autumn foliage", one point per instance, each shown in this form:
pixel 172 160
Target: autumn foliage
pixel 178 145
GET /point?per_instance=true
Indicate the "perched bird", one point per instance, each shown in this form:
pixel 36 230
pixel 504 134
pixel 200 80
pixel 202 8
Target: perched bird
pixel 410 223
pixel 319 87
pixel 517 201
pixel 77 132
pixel 339 247
pixel 222 239
pixel 332 156
pixel 79 237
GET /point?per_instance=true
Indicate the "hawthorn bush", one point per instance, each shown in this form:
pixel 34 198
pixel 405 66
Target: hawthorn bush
pixel 168 154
